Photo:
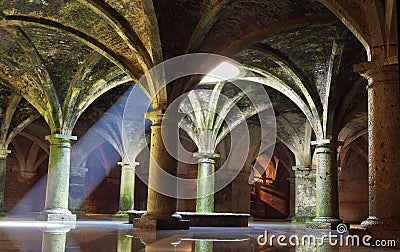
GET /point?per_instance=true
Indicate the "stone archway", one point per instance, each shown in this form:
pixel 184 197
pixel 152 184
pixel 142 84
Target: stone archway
pixel 271 192
pixel 353 181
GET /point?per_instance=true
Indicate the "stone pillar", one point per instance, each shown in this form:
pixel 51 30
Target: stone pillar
pixel 327 201
pixel 384 146
pixel 161 209
pixel 77 190
pixel 205 182
pixel 292 199
pixel 3 171
pixel 127 187
pixel 56 203
pixel 304 193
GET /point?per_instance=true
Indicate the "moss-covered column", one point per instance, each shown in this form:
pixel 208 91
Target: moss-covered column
pixel 56 203
pixel 127 186
pixel 384 146
pixel 304 193
pixel 3 169
pixel 204 246
pixel 205 182
pixel 327 202
pixel 160 208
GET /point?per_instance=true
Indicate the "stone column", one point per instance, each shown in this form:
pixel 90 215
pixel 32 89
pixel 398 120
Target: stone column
pixel 56 203
pixel 127 187
pixel 304 193
pixel 327 202
pixel 3 170
pixel 292 199
pixel 384 146
pixel 161 209
pixel 77 190
pixel 205 182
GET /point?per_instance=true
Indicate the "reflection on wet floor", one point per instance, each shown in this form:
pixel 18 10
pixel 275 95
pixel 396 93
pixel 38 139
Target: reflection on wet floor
pixel 106 234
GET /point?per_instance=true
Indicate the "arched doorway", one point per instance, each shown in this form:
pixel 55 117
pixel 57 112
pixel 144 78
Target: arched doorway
pixel 271 191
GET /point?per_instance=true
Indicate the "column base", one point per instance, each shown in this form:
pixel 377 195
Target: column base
pixel 374 223
pixel 79 213
pixel 382 229
pixel 326 223
pixel 173 222
pixel 58 215
pixel 301 219
pixel 121 215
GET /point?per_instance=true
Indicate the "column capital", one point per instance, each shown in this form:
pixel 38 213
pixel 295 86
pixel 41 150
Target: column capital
pixel 155 116
pixel 302 168
pixel 78 171
pixel 128 166
pixel 384 71
pixel 60 138
pixel 375 64
pixel 329 143
pixel 206 157
pixel 4 153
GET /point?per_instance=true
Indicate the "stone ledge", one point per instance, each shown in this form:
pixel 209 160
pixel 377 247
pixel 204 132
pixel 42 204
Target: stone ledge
pixel 205 219
pixel 173 222
pixel 134 214
pixel 216 219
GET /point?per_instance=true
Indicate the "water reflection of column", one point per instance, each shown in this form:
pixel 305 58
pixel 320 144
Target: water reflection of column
pixel 203 246
pixel 124 241
pixel 306 247
pixel 127 187
pixel 324 247
pixel 77 190
pixel 53 239
pixel 155 241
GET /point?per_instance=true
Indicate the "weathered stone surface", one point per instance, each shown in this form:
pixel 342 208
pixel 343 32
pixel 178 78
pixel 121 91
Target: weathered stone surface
pixel 49 48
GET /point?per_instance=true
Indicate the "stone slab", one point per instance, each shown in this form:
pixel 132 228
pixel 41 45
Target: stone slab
pixel 169 223
pixel 216 219
pixel 57 217
pixel 205 219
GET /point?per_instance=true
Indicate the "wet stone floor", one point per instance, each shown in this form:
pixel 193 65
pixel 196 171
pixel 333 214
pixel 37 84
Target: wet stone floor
pixel 106 234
